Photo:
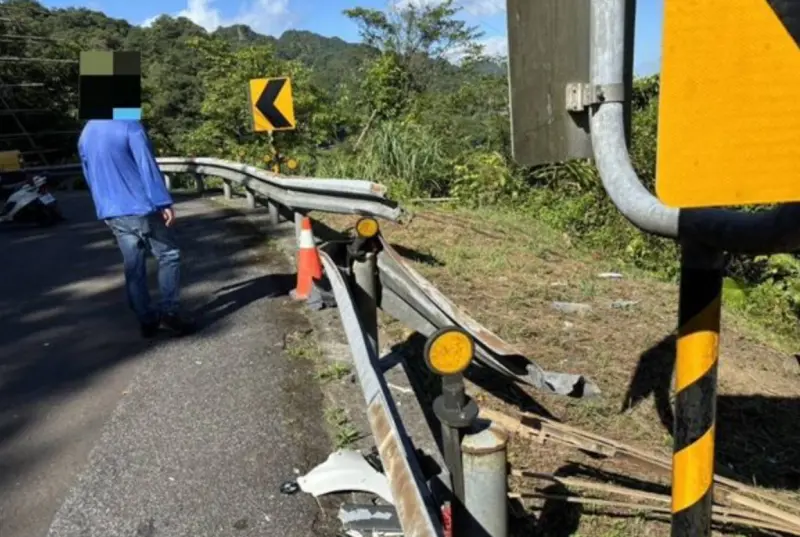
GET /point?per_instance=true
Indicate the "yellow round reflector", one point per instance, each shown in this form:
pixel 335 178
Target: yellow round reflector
pixel 450 351
pixel 292 164
pixel 367 228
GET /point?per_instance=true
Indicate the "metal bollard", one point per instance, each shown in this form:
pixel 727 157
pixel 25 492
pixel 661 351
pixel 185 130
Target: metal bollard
pixel 699 311
pixel 363 252
pixel 227 191
pixel 448 352
pixel 485 460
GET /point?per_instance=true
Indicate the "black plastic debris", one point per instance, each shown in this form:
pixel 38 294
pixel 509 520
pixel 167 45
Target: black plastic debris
pixel 290 487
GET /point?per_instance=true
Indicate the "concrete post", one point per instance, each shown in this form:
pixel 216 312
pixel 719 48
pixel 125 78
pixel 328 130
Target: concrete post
pixel 485 481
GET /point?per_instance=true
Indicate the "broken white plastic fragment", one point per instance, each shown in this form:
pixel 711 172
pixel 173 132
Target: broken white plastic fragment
pixel 343 471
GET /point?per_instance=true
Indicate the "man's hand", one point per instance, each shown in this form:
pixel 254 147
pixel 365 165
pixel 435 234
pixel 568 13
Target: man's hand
pixel 169 216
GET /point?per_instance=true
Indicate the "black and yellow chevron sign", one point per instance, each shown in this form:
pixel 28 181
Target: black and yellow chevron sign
pixel 729 103
pixel 271 104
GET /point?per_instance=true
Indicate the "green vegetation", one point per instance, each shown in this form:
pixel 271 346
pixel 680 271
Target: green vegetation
pixel 393 109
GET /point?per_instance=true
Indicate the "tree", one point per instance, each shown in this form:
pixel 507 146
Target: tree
pixel 422 39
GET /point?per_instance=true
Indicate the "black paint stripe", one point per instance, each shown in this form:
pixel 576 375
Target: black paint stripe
pixel 695 409
pixel 788 11
pixel 699 289
pixel 695 520
pixel 266 104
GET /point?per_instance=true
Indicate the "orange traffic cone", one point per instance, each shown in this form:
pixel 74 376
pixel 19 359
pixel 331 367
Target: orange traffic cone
pixel 309 265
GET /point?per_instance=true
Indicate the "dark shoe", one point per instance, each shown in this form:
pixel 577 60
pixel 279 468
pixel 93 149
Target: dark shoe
pixel 149 330
pixel 178 324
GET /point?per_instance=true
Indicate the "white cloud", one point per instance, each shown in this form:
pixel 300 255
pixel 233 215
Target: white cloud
pixel 270 17
pixel 475 8
pixel 483 7
pixel 495 46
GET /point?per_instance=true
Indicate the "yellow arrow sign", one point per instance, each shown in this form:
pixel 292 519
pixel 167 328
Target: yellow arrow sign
pixel 729 105
pixel 271 104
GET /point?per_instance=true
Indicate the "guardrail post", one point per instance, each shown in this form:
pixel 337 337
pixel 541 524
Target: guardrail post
pixel 448 352
pixel 298 226
pixel 485 461
pixel 251 199
pixel 363 252
pixel 699 312
pixel 168 182
pixel 199 185
pixel 274 214
pixel 365 274
pixel 227 191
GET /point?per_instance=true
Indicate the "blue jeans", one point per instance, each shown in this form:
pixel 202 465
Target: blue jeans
pixel 136 236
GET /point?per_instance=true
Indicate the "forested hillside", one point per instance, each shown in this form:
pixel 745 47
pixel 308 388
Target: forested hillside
pixel 395 108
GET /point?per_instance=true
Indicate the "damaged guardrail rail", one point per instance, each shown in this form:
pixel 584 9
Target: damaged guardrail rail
pixel 379 278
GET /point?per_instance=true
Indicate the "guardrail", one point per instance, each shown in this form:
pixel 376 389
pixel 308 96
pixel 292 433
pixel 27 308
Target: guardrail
pixel 405 295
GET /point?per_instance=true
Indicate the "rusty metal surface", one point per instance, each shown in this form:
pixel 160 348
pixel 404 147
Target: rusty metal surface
pixel 411 495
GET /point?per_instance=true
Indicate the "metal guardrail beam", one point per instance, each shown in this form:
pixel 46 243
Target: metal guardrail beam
pixel 342 196
pixel 777 230
pixel 416 301
pixel 408 296
pixel 409 491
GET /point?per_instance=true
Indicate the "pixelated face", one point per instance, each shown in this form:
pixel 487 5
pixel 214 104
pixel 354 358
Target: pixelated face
pixel 110 85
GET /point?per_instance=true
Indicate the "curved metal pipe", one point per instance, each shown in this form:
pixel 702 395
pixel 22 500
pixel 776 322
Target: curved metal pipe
pixel 777 230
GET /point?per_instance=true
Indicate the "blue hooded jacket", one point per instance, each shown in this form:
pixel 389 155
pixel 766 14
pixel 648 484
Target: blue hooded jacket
pixel 121 170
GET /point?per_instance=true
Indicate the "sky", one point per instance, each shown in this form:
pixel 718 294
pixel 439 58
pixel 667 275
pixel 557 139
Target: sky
pixel 325 17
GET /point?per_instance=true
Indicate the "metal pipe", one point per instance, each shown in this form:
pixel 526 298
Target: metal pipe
pixel 699 312
pixel 365 274
pixel 772 231
pixel 485 460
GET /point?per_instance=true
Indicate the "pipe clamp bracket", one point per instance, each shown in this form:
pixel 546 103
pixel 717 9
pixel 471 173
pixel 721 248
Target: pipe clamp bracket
pixel 580 96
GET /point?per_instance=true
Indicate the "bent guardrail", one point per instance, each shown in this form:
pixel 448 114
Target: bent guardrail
pixel 405 295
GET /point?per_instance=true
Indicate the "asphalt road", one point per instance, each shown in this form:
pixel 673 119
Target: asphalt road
pixel 102 434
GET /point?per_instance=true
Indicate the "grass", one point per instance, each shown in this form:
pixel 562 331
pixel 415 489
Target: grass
pixel 334 371
pixel 506 269
pixel 302 345
pixel 345 434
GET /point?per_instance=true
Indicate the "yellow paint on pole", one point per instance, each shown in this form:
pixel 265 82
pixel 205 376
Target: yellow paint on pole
pixel 729 105
pixel 10 160
pixel 271 104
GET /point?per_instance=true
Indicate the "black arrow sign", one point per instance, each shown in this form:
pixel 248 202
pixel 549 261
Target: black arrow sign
pixel 266 104
pixel 788 11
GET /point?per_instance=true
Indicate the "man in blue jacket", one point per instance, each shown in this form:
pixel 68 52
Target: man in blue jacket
pixel 130 195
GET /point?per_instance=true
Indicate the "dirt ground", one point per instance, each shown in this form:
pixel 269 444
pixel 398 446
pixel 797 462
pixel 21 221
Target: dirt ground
pixel 506 270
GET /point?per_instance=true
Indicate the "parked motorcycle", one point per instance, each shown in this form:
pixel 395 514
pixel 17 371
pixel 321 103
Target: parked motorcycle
pixel 31 202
